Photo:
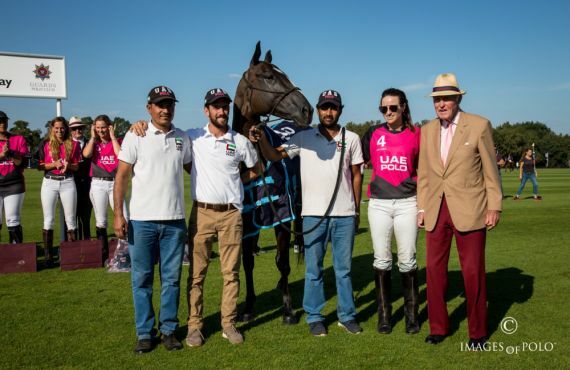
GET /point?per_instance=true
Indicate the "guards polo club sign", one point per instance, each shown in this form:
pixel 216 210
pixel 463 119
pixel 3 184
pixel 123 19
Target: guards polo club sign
pixel 33 76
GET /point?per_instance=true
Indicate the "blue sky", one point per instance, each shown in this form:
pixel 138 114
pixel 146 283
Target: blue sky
pixel 512 57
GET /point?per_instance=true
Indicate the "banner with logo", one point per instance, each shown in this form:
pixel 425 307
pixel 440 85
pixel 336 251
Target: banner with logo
pixel 32 76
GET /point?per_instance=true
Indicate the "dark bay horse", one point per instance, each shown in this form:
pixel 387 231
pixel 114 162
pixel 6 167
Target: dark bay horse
pixel 264 90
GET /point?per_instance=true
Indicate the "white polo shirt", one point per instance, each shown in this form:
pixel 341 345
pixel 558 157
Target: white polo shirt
pixel 157 192
pixel 215 170
pixel 319 169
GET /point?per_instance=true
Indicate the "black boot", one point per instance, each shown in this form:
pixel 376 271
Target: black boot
pixel 102 235
pixel 383 281
pixel 411 301
pixel 48 244
pixel 16 234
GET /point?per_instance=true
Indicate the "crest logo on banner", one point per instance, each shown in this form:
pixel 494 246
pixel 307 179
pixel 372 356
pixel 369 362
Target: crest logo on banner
pixel 42 71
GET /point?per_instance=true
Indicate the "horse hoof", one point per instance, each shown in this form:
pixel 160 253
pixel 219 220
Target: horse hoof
pixel 290 319
pixel 246 317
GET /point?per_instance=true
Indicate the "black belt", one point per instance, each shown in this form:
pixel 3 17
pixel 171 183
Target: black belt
pixel 215 207
pixel 104 178
pixel 57 178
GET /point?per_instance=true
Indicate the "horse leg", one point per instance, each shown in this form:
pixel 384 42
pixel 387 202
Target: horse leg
pixel 248 246
pixel 283 238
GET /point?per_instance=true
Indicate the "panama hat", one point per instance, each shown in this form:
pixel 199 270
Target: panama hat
pixel 75 122
pixel 446 84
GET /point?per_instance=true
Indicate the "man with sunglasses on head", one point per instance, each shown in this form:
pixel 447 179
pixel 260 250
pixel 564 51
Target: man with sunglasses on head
pixel 82 182
pixel 459 195
pixel 320 150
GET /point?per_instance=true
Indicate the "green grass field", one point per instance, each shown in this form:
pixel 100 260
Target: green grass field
pixel 84 319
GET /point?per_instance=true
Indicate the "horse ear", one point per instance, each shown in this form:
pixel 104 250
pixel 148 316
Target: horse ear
pixel 256 54
pixel 268 57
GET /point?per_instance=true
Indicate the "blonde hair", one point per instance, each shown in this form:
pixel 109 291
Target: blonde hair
pixel 54 142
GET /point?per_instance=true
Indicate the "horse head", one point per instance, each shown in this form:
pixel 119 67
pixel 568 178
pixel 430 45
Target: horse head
pixel 266 90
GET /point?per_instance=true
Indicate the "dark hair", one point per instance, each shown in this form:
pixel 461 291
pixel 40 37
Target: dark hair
pixel 105 118
pixel 406 114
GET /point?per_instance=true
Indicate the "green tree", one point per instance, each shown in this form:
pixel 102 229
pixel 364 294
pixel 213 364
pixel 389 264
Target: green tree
pixel 515 138
pixel 121 126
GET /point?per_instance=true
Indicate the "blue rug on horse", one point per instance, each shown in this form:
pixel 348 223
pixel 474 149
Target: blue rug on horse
pixel 281 178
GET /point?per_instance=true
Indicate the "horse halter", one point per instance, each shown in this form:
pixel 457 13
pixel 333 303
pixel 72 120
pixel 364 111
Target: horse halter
pixel 283 94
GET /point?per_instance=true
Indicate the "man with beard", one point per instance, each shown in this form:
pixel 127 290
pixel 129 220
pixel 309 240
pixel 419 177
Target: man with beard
pixel 217 191
pixel 320 150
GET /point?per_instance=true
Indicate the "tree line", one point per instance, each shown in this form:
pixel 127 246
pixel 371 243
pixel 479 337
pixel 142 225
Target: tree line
pixel 512 139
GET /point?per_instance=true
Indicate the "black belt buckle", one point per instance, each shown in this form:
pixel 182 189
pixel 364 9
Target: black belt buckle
pixel 56 178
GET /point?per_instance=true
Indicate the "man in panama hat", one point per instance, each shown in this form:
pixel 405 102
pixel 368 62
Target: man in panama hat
pixel 459 194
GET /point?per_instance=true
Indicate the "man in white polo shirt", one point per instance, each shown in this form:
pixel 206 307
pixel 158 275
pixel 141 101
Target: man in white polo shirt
pixel 218 194
pixel 157 221
pixel 217 152
pixel 320 149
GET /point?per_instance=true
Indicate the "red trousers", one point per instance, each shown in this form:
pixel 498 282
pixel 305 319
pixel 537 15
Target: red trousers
pixel 471 249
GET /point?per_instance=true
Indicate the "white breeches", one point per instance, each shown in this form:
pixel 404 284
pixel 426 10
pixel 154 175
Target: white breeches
pixel 67 193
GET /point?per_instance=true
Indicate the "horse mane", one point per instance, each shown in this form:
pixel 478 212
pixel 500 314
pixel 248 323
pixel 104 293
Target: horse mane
pixel 242 115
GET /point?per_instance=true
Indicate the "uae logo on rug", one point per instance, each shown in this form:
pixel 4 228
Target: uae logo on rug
pixel 42 72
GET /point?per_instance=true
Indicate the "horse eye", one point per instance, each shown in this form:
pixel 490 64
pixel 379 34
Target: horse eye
pixel 270 77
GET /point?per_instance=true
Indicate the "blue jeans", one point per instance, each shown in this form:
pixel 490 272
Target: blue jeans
pixel 146 239
pixel 525 177
pixel 340 231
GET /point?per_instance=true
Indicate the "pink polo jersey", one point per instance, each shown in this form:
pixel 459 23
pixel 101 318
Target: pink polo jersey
pixel 104 162
pixel 46 157
pixel 17 145
pixel 394 159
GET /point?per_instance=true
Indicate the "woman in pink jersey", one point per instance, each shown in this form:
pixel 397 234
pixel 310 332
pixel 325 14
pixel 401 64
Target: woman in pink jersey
pixel 59 158
pixel 13 149
pixel 392 149
pixel 103 149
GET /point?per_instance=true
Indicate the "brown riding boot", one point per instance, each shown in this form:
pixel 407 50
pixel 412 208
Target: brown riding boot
pixel 411 301
pixel 48 244
pixel 383 281
pixel 71 236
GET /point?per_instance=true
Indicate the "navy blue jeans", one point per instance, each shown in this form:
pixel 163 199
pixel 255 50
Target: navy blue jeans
pixel 525 177
pixel 340 232
pixel 146 239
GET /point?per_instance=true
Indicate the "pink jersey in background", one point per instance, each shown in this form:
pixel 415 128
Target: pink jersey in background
pixel 104 162
pixel 17 144
pixel 46 158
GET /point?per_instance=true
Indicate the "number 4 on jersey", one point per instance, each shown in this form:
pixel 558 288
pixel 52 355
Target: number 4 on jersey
pixel 381 141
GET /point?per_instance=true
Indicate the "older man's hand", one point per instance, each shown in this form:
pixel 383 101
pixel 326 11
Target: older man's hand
pixel 492 219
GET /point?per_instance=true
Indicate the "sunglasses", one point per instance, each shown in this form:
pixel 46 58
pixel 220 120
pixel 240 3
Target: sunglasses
pixel 393 108
pixel 77 128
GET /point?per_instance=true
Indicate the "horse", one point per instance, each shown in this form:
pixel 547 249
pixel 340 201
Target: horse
pixel 265 90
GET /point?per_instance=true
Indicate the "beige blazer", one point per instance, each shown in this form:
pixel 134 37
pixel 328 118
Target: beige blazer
pixel 469 179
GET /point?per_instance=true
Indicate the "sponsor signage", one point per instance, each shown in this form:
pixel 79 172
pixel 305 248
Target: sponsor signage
pixel 32 76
